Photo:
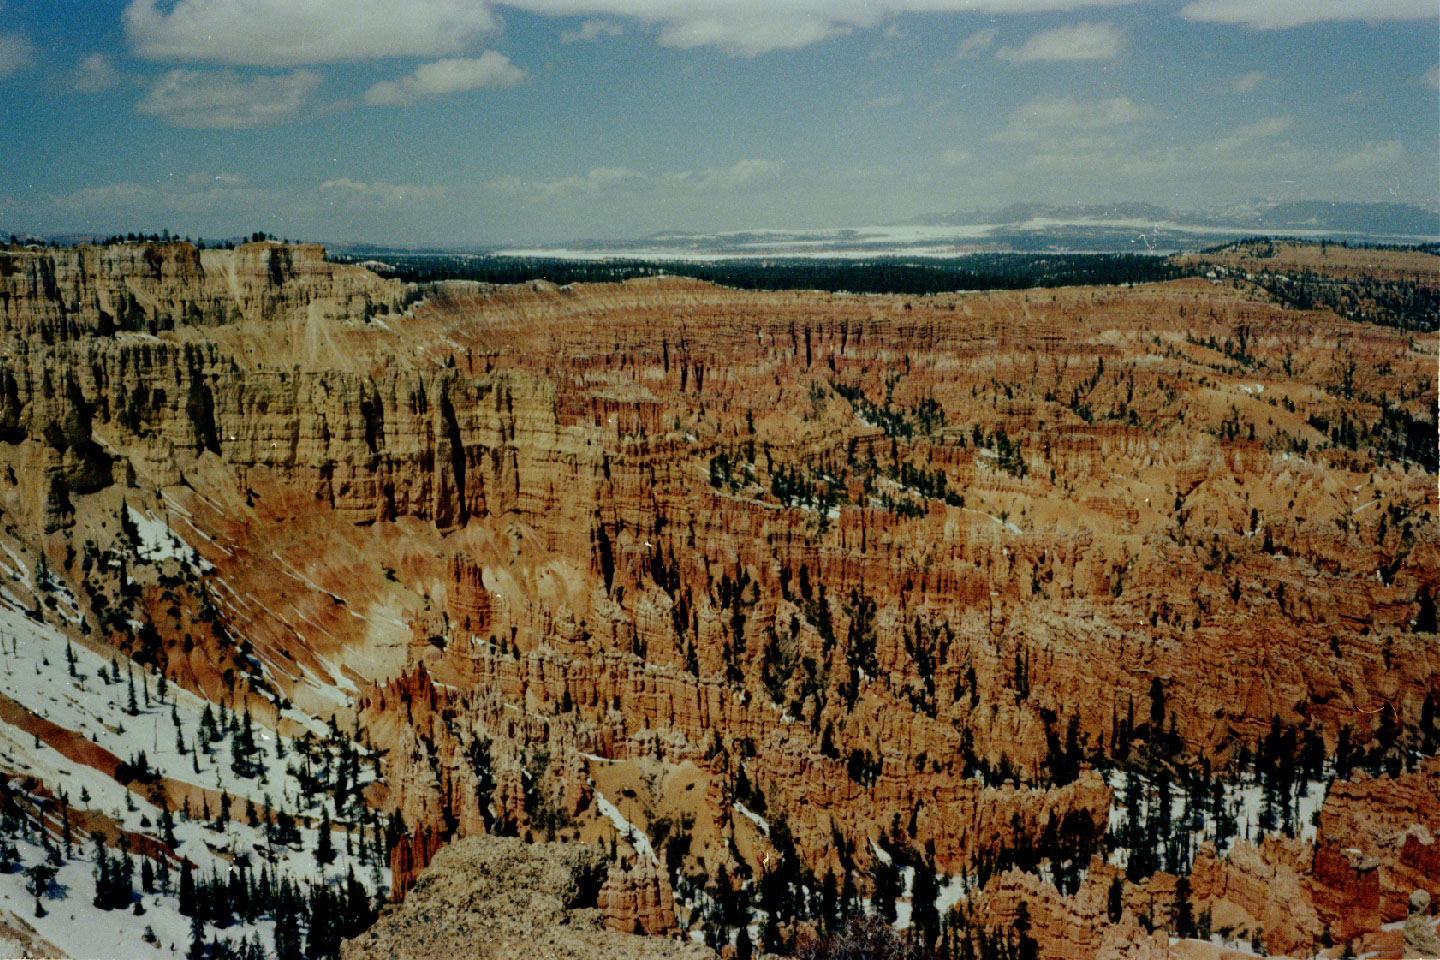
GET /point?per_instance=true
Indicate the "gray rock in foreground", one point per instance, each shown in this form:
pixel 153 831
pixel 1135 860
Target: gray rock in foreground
pixel 495 898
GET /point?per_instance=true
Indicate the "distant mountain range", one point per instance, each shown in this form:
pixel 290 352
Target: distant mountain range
pixel 1035 228
pixel 1361 219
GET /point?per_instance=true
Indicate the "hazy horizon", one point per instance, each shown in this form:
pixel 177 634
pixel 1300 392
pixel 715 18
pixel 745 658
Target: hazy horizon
pixel 464 122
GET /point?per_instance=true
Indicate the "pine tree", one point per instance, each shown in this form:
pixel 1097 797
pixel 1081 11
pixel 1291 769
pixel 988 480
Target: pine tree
pixel 744 950
pixel 1184 919
pixel 102 874
pixel 324 851
pixel 887 888
pixel 187 889
pixel 923 913
pixel 287 923
pixel 197 949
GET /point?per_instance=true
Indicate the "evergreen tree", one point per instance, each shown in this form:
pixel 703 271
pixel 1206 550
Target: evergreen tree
pixel 197 949
pixel 744 950
pixel 187 889
pixel 923 913
pixel 1184 919
pixel 1115 900
pixel 887 887
pixel 324 851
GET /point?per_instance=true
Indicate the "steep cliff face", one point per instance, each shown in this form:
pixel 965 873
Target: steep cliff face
pixel 774 578
pixel 54 295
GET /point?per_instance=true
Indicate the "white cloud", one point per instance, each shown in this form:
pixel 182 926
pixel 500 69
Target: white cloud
pixel 592 30
pixel 195 194
pixel 490 69
pixel 753 27
pixel 107 196
pixel 16 53
pixel 744 173
pixel 1247 82
pixel 737 176
pixel 215 179
pixel 952 158
pixel 230 196
pixel 597 181
pixel 1046 117
pixel 1372 155
pixel 95 73
pixel 889 102
pixel 282 33
pixel 1265 129
pixel 1278 14
pixel 1081 41
pixel 344 189
pixel 976 44
pixel 609 182
pixel 1431 78
pixel 227 100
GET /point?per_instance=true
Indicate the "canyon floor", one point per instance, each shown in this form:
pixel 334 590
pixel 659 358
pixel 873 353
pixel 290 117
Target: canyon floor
pixel 1074 622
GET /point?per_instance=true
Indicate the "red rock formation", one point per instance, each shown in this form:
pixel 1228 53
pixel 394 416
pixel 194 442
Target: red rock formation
pixel 1377 844
pixel 638 899
pixel 409 856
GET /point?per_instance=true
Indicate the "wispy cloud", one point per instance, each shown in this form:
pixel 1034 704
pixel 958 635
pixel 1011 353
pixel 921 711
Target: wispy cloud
pixel 592 30
pixel 1279 14
pixel 16 53
pixel 610 182
pixel 1431 78
pixel 490 69
pixel 1371 155
pixel 1247 82
pixel 227 100
pixel 952 158
pixel 976 43
pixel 1046 117
pixel 95 73
pixel 743 173
pixel 541 190
pixel 344 189
pixel 1081 41
pixel 1265 129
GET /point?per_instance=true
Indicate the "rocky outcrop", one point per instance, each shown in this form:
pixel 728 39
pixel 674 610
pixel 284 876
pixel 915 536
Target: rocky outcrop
pixel 1261 891
pixel 1064 928
pixel 1421 939
pixel 638 899
pixel 496 898
pixel 1377 843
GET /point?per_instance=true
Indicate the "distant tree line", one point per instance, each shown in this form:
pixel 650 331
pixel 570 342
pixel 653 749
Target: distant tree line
pixel 989 271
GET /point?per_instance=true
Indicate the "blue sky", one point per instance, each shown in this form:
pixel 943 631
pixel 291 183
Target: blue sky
pixel 470 121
